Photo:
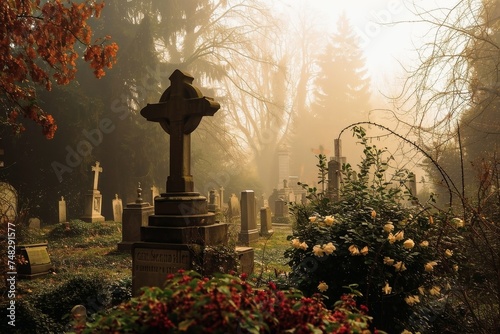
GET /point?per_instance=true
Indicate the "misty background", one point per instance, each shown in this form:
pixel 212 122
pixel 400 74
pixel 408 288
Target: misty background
pixel 287 74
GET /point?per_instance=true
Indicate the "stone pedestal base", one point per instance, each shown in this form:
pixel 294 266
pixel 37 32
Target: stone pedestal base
pixel 93 205
pixel 135 215
pixel 245 259
pixel 202 235
pixel 247 237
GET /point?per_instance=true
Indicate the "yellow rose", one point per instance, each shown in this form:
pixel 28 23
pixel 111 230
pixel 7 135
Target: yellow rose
pixel 389 227
pixel 458 222
pixel 318 251
pixel 387 289
pixel 329 220
pixel 408 244
pixel 388 261
pixel 424 243
pixel 312 219
pixel 411 300
pixel 322 287
pixel 435 291
pixel 374 214
pixel 455 267
pixel 329 248
pixel 421 290
pixel 295 243
pixel 400 266
pixel 448 253
pixel 391 238
pixel 303 246
pixel 354 250
pixel 429 266
pixel 400 235
pixel 364 250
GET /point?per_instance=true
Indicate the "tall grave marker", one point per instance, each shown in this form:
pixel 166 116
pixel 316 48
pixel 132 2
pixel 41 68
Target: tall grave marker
pixel 93 199
pixel 181 222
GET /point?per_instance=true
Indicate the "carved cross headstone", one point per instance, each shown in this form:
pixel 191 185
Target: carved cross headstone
pixel 96 169
pixel 179 112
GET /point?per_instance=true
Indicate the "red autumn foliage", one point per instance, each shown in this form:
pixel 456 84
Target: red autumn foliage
pixel 37 47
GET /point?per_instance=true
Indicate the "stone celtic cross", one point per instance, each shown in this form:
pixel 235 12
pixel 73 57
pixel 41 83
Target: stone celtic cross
pixel 96 169
pixel 179 112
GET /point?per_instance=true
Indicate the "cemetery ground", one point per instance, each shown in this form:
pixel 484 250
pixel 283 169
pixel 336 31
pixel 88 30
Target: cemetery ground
pixel 88 270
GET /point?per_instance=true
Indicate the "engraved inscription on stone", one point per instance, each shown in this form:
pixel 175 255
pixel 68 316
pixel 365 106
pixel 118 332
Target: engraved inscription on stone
pixel 38 255
pixel 161 261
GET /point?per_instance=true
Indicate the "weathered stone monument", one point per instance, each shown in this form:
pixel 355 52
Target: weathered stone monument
pixel 213 206
pixel 62 210
pixel 155 192
pixel 181 225
pixel 266 225
pixel 34 260
pixel 117 209
pixel 248 232
pixel 334 169
pixel 234 209
pixel 135 215
pixel 93 199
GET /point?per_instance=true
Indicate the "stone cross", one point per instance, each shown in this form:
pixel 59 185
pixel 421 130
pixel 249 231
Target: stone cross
pixel 96 169
pixel 179 112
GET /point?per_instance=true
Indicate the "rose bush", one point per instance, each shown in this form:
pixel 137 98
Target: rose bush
pixel 399 253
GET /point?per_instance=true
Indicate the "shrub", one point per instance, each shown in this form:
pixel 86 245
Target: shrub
pixel 28 320
pixel 90 291
pixel 227 304
pixel 400 254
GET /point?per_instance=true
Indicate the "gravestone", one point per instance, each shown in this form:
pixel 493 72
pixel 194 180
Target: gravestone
pixel 248 232
pixel 117 209
pixel 222 204
pixel 8 201
pixel 36 261
pixel 62 210
pixel 272 201
pixel 79 317
pixel 281 216
pixel 266 225
pixel 135 215
pixel 93 199
pixel 234 209
pixel 334 171
pixel 34 223
pixel 181 226
pixel 155 192
pixel 212 201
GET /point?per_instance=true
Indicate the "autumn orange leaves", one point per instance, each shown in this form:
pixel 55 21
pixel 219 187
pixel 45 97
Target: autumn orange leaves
pixel 37 47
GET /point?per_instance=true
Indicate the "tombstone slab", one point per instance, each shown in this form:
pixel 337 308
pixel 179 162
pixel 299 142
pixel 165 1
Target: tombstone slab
pixel 37 261
pixel 117 209
pixel 249 232
pixel 62 210
pixel 266 225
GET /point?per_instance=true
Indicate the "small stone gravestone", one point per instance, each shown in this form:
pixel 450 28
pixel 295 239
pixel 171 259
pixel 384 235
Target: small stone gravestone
pixel 34 223
pixel 62 210
pixel 79 314
pixel 212 203
pixel 135 215
pixel 36 261
pixel 266 226
pixel 117 209
pixel 234 206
